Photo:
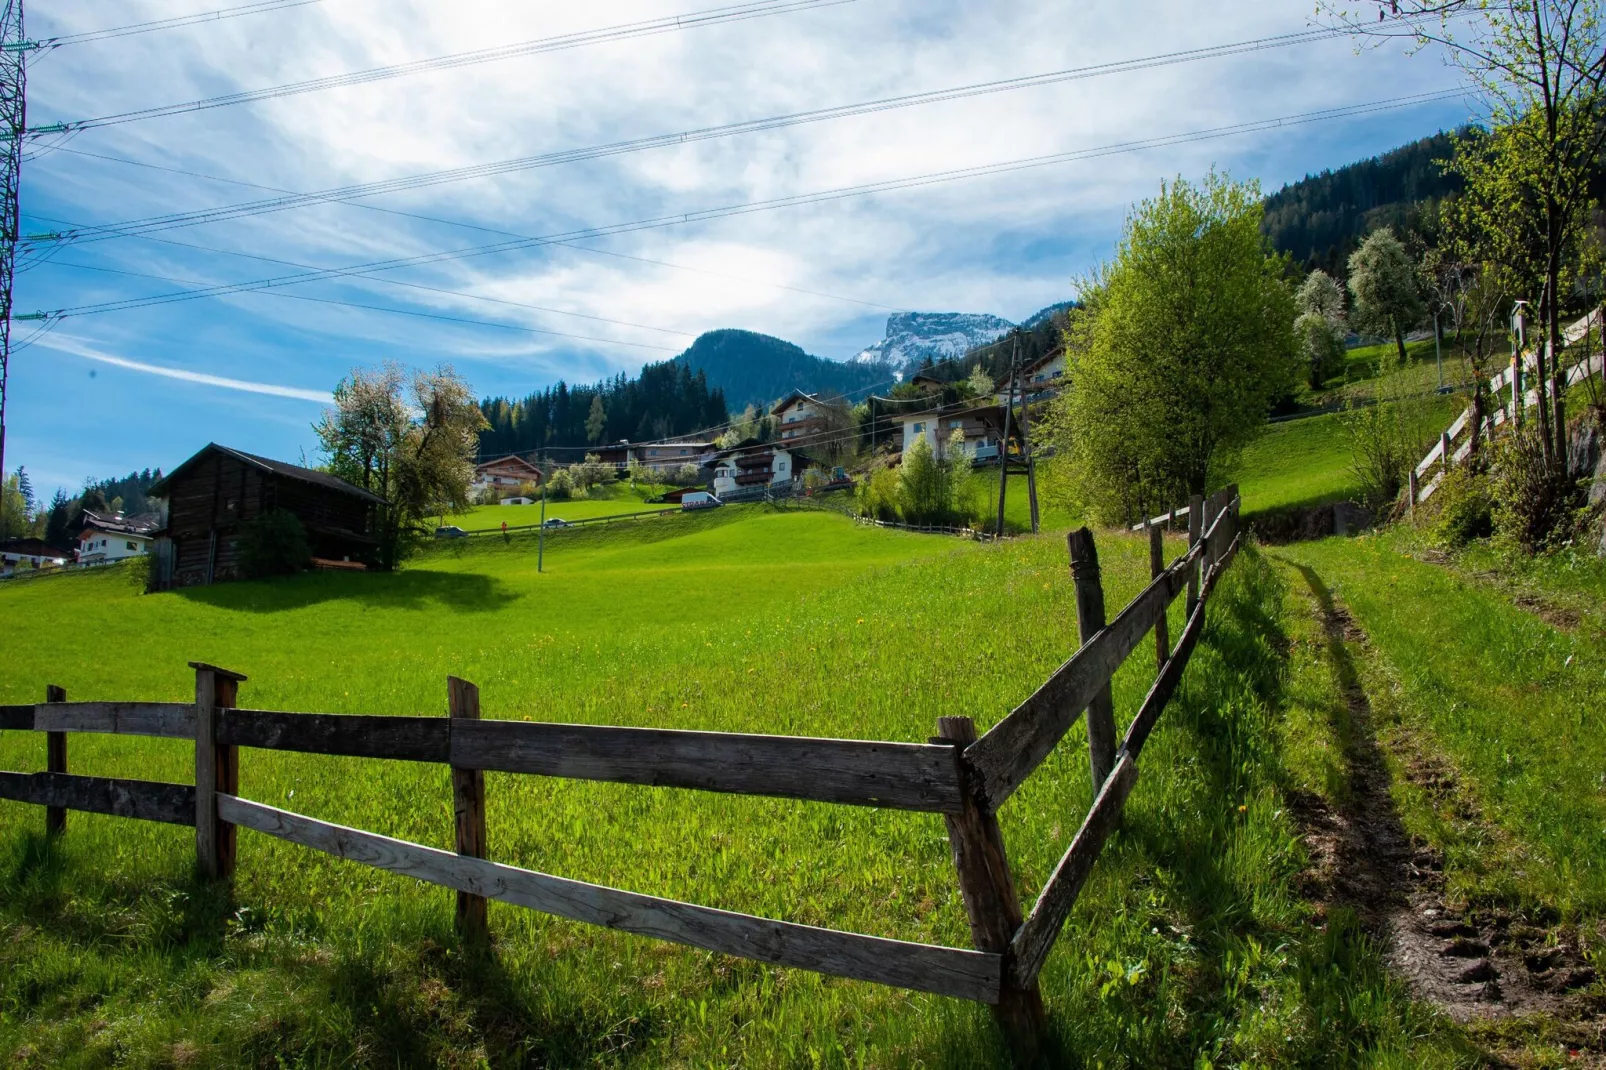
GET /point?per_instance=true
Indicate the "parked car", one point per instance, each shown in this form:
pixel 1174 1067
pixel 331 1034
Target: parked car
pixel 450 531
pixel 700 499
pixel 555 522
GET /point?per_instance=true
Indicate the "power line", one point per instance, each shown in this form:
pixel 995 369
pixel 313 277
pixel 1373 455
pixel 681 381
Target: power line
pixel 627 31
pixel 13 121
pixel 172 23
pixel 378 308
pixel 383 281
pixel 889 185
pixel 43 239
pixel 684 137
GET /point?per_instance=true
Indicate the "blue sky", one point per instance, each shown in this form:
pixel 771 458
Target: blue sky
pixel 101 394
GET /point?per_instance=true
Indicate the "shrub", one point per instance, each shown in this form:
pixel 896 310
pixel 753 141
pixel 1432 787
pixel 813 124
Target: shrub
pixel 561 486
pixel 1464 510
pixel 1536 507
pixel 272 544
pixel 1387 437
pixel 877 496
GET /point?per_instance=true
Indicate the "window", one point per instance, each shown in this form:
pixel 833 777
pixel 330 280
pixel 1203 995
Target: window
pixel 920 429
pixel 955 423
pixel 132 545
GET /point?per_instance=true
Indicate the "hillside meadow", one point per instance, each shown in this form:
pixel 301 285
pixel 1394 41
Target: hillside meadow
pixel 1190 945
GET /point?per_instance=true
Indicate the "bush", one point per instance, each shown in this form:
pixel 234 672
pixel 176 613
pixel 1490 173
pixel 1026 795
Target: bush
pixel 1464 510
pixel 877 496
pixel 272 544
pixel 1536 507
pixel 1387 438
pixel 561 486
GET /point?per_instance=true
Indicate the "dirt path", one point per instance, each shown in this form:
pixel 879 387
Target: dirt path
pixel 1472 964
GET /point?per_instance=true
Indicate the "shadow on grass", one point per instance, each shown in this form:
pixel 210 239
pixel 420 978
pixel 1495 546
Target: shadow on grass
pixel 410 589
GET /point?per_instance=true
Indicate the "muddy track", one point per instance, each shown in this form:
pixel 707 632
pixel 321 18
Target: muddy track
pixel 1472 964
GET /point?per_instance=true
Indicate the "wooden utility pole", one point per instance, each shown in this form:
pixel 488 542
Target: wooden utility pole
pixel 1026 441
pixel 1003 449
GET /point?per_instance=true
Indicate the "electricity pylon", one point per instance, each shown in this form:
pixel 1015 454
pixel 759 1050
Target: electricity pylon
pixel 14 49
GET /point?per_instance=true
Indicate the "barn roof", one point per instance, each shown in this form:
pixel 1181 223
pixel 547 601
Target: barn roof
pixel 267 464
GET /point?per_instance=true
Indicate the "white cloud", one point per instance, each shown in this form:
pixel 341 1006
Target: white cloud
pixel 80 349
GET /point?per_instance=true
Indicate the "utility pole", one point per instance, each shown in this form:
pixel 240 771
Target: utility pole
pixel 1003 443
pixel 14 49
pixel 1026 441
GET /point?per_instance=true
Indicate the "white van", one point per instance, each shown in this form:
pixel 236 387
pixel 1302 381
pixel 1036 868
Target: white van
pixel 700 499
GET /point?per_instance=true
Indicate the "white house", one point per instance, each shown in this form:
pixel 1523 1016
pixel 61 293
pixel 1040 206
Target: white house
pixel 1044 372
pixel 111 537
pixel 798 415
pixel 756 466
pixel 981 424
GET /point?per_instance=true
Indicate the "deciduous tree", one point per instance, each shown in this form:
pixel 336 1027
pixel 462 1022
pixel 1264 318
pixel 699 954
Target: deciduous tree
pixel 1183 343
pixel 1387 289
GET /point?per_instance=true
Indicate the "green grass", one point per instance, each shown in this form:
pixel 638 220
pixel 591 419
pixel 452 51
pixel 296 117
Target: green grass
pixel 1190 945
pixel 619 499
pixel 1509 699
pixel 1298 463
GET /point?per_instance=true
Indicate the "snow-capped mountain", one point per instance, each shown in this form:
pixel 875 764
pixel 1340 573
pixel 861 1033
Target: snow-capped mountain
pixel 914 336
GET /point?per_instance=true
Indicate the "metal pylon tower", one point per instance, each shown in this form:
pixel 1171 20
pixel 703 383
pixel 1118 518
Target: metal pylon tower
pixel 14 49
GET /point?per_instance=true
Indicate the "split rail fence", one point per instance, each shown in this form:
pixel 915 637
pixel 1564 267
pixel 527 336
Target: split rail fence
pixel 1451 449
pixel 964 778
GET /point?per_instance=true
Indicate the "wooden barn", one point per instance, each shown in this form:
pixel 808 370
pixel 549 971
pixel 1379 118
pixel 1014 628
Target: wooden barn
pixel 212 493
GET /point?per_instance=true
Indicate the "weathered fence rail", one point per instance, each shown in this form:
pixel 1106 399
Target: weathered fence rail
pixel 958 775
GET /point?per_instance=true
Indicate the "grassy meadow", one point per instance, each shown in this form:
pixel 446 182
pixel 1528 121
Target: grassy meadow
pixel 1190 946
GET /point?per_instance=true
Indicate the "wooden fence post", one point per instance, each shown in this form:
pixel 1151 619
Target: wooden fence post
pixel 1162 630
pixel 55 762
pixel 991 902
pixel 217 769
pixel 468 804
pixel 1090 621
pixel 1446 456
pixel 1195 529
pixel 1410 488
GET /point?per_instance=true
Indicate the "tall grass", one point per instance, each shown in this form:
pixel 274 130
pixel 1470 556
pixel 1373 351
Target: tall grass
pixel 1190 945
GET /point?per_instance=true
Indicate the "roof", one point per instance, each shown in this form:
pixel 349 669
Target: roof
pixel 980 412
pixel 790 399
pixel 1047 358
pixel 141 524
pixel 927 377
pixel 266 464
pixel 515 458
pixel 30 548
pixel 672 444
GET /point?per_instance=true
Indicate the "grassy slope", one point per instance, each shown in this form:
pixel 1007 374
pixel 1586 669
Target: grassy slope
pixel 1510 700
pixel 1189 940
pixel 619 499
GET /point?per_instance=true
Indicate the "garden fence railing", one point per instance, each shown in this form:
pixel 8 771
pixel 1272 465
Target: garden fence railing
pixel 964 778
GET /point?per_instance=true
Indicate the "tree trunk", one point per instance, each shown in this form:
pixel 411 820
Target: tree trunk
pixel 1399 341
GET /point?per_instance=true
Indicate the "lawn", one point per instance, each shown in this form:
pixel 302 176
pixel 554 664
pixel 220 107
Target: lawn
pixel 618 499
pixel 1190 946
pixel 1508 698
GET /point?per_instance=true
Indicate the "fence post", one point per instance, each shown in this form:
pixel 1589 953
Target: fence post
pixel 55 762
pixel 1162 629
pixel 1410 488
pixel 1445 454
pixel 991 903
pixel 468 804
pixel 217 769
pixel 1195 529
pixel 1090 621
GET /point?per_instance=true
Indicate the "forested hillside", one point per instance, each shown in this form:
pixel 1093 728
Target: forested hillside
pixel 666 399
pixel 1321 219
pixel 756 369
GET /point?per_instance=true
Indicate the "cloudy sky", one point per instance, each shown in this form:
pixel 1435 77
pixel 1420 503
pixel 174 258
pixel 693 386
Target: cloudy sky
pixel 103 392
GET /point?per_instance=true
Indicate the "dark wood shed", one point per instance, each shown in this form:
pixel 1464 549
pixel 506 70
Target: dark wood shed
pixel 212 493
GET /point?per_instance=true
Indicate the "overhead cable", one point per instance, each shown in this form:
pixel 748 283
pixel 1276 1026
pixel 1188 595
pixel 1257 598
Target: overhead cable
pixel 888 185
pixel 684 137
pixel 261 7
pixel 627 31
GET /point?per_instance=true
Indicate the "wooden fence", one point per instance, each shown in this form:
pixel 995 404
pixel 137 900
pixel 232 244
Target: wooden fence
pixel 964 778
pixel 929 529
pixel 1446 452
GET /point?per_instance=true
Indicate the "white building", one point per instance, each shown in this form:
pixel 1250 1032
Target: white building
pixel 756 466
pixel 982 425
pixel 111 537
pixel 24 554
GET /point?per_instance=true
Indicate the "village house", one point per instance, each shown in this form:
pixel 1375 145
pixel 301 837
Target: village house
pixel 210 495
pixel 1045 372
pixel 755 464
pixel 982 425
pixel 798 414
pixel 661 455
pixel 109 537
pixel 505 473
pixel 22 554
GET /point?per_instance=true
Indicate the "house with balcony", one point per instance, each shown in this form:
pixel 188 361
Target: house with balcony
pixel 662 455
pixel 506 474
pixel 109 537
pixel 755 465
pixel 982 425
pixel 798 416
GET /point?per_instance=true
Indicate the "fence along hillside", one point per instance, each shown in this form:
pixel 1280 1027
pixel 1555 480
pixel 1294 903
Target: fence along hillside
pixel 964 778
